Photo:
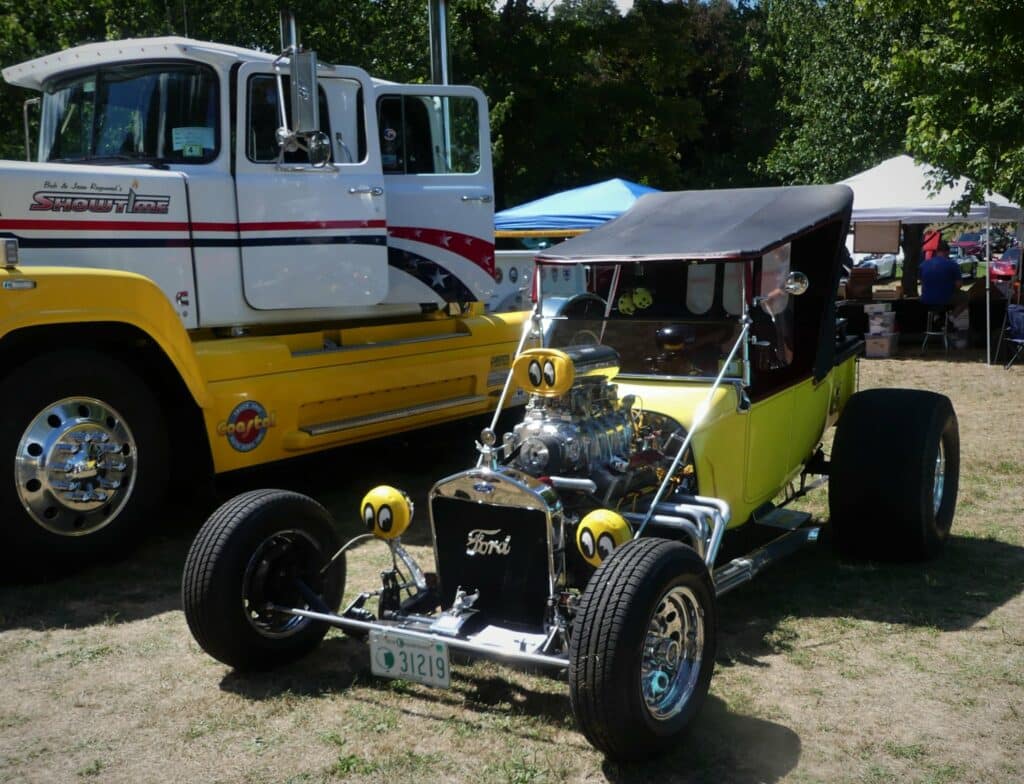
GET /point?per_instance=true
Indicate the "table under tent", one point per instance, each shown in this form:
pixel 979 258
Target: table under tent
pixel 898 192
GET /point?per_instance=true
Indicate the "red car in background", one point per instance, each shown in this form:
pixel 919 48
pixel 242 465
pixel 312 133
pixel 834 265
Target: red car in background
pixel 1004 269
pixel 971 243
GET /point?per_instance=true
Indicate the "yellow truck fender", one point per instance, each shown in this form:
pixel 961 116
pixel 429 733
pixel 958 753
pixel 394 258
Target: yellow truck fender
pixel 48 296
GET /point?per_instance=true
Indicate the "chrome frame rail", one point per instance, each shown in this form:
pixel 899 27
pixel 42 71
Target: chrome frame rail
pixel 488 651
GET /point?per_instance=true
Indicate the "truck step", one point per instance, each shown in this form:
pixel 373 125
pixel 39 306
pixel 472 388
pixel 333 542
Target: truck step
pixel 338 425
pixel 786 519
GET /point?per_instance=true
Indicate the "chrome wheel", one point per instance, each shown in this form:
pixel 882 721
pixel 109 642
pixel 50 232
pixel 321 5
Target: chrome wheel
pixel 75 466
pixel 285 571
pixel 670 670
pixel 939 483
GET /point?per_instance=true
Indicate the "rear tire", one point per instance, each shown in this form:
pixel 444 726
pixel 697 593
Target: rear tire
pixel 894 476
pixel 643 648
pixel 262 547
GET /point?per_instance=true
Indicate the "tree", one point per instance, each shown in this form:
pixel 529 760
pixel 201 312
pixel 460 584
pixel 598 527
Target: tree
pixel 965 90
pixel 839 115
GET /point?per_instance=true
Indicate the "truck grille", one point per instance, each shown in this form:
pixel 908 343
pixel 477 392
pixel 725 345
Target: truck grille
pixel 502 551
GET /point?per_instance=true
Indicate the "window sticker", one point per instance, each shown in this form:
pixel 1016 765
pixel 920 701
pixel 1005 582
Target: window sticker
pixel 191 140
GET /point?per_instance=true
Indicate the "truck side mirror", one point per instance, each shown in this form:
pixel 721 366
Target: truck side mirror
pixel 305 95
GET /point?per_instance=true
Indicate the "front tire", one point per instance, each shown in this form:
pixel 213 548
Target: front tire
pixel 894 499
pixel 643 648
pixel 88 455
pixel 259 550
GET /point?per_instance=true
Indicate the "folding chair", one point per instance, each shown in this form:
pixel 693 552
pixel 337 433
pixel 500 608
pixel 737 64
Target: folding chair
pixel 1015 328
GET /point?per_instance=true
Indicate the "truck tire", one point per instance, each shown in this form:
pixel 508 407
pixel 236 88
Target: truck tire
pixel 894 475
pixel 260 548
pixel 643 648
pixel 88 451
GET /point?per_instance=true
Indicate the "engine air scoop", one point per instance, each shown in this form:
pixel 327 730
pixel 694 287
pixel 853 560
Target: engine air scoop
pixel 552 372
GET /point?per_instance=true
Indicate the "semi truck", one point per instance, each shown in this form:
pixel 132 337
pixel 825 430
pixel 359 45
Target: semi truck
pixel 217 258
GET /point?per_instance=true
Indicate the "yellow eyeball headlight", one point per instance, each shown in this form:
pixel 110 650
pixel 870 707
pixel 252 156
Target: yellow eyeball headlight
pixel 386 512
pixel 599 533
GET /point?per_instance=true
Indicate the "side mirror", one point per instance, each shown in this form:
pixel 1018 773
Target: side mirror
pixel 305 95
pixel 319 146
pixel 796 283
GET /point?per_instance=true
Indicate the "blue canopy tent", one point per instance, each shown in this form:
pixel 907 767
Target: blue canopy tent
pixel 571 211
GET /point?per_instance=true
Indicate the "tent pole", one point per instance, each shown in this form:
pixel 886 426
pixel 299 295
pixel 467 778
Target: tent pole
pixel 988 286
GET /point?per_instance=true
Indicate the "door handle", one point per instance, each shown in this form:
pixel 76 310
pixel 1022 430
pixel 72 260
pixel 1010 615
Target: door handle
pixel 376 190
pixel 486 199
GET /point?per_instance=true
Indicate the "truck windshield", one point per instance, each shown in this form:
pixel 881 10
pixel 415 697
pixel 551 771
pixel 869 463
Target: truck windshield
pixel 154 113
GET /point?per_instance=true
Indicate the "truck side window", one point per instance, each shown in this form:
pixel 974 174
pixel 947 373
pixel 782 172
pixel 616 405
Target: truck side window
pixel 264 120
pixel 428 134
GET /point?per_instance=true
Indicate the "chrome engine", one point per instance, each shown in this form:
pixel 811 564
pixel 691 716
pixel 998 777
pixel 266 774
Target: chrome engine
pixel 584 430
pixel 576 434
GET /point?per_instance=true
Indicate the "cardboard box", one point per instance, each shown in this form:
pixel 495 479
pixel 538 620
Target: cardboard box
pixel 881 323
pixel 858 285
pixel 877 307
pixel 879 346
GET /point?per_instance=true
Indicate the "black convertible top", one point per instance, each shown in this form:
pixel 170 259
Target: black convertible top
pixel 738 223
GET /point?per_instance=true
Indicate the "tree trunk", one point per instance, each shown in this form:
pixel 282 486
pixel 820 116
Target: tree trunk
pixel 912 235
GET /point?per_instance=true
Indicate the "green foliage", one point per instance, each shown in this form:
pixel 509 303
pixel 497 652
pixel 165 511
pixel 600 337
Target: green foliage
pixel 839 114
pixel 965 90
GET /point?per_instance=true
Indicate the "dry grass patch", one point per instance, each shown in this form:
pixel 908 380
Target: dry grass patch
pixel 826 671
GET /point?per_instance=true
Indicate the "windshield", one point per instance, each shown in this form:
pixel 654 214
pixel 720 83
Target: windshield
pixel 146 113
pixel 678 318
pixel 970 236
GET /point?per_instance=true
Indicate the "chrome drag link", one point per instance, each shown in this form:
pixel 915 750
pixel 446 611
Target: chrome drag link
pixel 487 651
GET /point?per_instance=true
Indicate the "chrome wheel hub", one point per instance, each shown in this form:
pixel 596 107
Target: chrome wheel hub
pixel 939 484
pixel 671 664
pixel 75 466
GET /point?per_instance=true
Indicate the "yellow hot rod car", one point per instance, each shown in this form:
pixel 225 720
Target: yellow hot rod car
pixel 679 402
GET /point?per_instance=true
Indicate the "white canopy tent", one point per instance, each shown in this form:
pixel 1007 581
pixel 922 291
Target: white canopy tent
pixel 898 190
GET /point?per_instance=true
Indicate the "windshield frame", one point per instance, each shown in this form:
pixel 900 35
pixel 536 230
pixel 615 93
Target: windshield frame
pixel 141 68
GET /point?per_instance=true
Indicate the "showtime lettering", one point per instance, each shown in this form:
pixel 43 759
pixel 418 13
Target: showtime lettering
pixel 131 204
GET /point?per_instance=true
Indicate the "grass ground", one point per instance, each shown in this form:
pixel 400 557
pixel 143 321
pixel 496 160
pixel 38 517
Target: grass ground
pixel 826 671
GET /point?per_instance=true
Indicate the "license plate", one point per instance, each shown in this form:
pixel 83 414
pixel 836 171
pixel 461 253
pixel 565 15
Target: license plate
pixel 397 655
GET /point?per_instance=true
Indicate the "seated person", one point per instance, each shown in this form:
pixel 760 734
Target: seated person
pixel 940 282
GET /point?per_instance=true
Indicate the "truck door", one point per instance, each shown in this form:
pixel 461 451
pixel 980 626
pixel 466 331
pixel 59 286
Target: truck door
pixel 310 237
pixel 436 154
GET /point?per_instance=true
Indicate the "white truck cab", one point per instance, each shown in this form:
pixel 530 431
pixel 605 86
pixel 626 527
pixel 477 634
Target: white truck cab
pixel 164 160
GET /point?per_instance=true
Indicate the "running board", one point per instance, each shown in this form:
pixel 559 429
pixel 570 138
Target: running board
pixel 743 569
pixel 339 425
pixel 786 519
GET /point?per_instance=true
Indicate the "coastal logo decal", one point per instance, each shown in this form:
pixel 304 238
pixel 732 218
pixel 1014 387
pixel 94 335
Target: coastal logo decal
pixel 247 426
pixel 130 203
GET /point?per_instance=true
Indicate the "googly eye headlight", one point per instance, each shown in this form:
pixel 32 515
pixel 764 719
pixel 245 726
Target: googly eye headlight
pixel 599 533
pixel 386 512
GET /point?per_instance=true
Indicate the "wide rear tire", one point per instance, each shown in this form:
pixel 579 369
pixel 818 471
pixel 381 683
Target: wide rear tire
pixel 266 547
pixel 643 648
pixel 894 476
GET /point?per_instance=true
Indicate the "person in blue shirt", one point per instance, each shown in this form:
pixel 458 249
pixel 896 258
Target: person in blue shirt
pixel 940 281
